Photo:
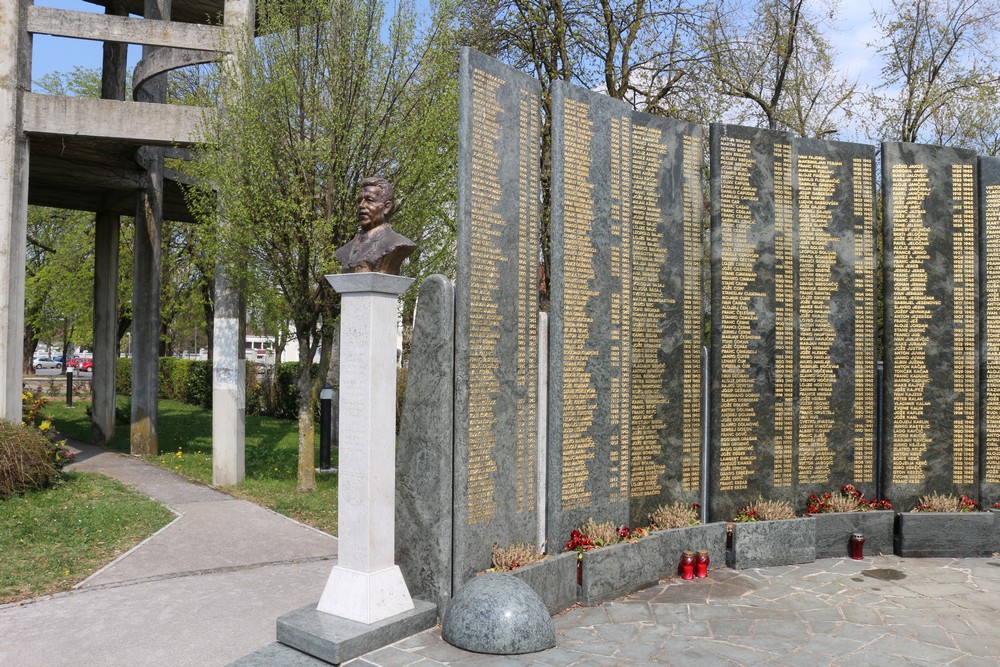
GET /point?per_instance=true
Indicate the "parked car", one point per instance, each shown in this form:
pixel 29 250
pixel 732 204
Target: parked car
pixel 85 365
pixel 47 362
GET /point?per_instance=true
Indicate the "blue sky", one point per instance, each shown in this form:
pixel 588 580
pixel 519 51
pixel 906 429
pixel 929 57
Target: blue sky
pixel 851 35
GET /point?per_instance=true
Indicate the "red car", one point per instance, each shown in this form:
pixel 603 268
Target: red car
pixel 85 365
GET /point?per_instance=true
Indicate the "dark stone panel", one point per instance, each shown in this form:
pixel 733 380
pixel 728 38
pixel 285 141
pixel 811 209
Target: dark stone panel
pixel 930 323
pixel 945 535
pixel 625 344
pixel 835 324
pixel 745 204
pixel 496 312
pixel 793 318
pixel 424 449
pixel 771 543
pixel 989 330
pixel 834 530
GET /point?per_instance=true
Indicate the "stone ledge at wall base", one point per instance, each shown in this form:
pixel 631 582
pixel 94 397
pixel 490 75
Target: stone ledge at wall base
pixel 770 543
pixel 945 534
pixel 834 530
pixel 617 570
pixel 554 579
pixel 336 640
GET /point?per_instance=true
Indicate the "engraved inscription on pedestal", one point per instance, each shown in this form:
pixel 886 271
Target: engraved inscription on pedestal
pixel 496 311
pixel 931 375
pixel 624 400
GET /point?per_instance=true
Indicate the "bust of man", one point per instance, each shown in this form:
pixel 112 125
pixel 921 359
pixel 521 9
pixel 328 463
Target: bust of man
pixel 375 248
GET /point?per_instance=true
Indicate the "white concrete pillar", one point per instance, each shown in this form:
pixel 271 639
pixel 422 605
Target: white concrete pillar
pixel 107 230
pixel 366 585
pixel 15 77
pixel 147 264
pixel 229 365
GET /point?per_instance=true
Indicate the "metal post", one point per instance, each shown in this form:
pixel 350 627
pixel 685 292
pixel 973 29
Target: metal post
pixel 325 427
pixel 706 452
pixel 69 387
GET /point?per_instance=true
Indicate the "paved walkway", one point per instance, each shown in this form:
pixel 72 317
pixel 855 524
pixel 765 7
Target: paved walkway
pixel 881 611
pixel 203 591
pixel 207 590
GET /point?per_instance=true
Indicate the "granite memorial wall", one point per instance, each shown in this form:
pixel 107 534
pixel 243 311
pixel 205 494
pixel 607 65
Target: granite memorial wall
pixel 496 313
pixel 930 323
pixel 624 418
pixel 988 436
pixel 793 317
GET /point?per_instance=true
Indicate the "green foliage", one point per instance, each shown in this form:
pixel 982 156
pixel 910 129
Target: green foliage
pixel 54 538
pixel 28 460
pixel 123 376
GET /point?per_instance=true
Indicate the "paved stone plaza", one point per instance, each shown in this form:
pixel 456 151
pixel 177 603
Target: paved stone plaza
pixel 881 611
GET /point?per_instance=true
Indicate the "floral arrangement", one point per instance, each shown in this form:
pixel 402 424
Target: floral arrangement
pixel 849 499
pixel 941 502
pixel 764 510
pixel 593 534
pixel 514 556
pixel 674 515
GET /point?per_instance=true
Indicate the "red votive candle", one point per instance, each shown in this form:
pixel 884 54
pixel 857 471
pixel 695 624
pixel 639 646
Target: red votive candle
pixel 686 566
pixel 701 565
pixel 857 546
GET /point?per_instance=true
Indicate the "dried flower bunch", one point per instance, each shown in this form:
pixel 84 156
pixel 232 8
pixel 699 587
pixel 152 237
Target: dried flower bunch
pixel 593 534
pixel 849 499
pixel 674 515
pixel 765 510
pixel 514 556
pixel 942 502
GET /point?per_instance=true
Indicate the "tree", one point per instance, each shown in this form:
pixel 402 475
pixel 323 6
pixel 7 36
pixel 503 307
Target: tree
pixel 331 93
pixel 937 53
pixel 773 56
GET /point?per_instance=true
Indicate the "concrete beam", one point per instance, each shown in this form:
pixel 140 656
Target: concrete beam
pixel 144 123
pixel 86 25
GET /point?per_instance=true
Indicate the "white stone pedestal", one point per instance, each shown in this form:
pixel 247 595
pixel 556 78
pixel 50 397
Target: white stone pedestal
pixel 366 585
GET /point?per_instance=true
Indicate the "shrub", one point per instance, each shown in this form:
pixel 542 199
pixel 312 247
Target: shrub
pixel 765 510
pixel 123 377
pixel 28 460
pixel 514 556
pixel 673 515
pixel 940 502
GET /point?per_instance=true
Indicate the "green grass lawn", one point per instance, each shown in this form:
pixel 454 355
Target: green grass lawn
pixel 185 439
pixel 54 538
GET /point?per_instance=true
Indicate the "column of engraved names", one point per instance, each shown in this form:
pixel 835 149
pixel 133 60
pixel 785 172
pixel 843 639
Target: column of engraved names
pixel 527 316
pixel 963 252
pixel 817 185
pixel 484 314
pixel 647 293
pixel 621 306
pixel 784 331
pixel 579 396
pixel 691 473
pixel 736 437
pixel 864 322
pixel 912 308
pixel 991 225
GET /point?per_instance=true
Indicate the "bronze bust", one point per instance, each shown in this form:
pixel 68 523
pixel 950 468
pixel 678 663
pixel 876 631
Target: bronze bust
pixel 375 248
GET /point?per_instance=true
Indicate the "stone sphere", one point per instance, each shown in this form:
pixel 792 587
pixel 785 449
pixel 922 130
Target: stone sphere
pixel 499 614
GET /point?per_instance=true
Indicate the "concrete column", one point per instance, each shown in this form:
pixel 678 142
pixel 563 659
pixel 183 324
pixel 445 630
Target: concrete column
pixel 146 275
pixel 15 77
pixel 229 367
pixel 366 585
pixel 107 232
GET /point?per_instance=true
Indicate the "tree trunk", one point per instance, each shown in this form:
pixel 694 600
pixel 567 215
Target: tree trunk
pixel 307 449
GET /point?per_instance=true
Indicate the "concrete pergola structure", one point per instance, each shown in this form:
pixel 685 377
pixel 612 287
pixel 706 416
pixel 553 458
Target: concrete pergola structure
pixel 106 156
